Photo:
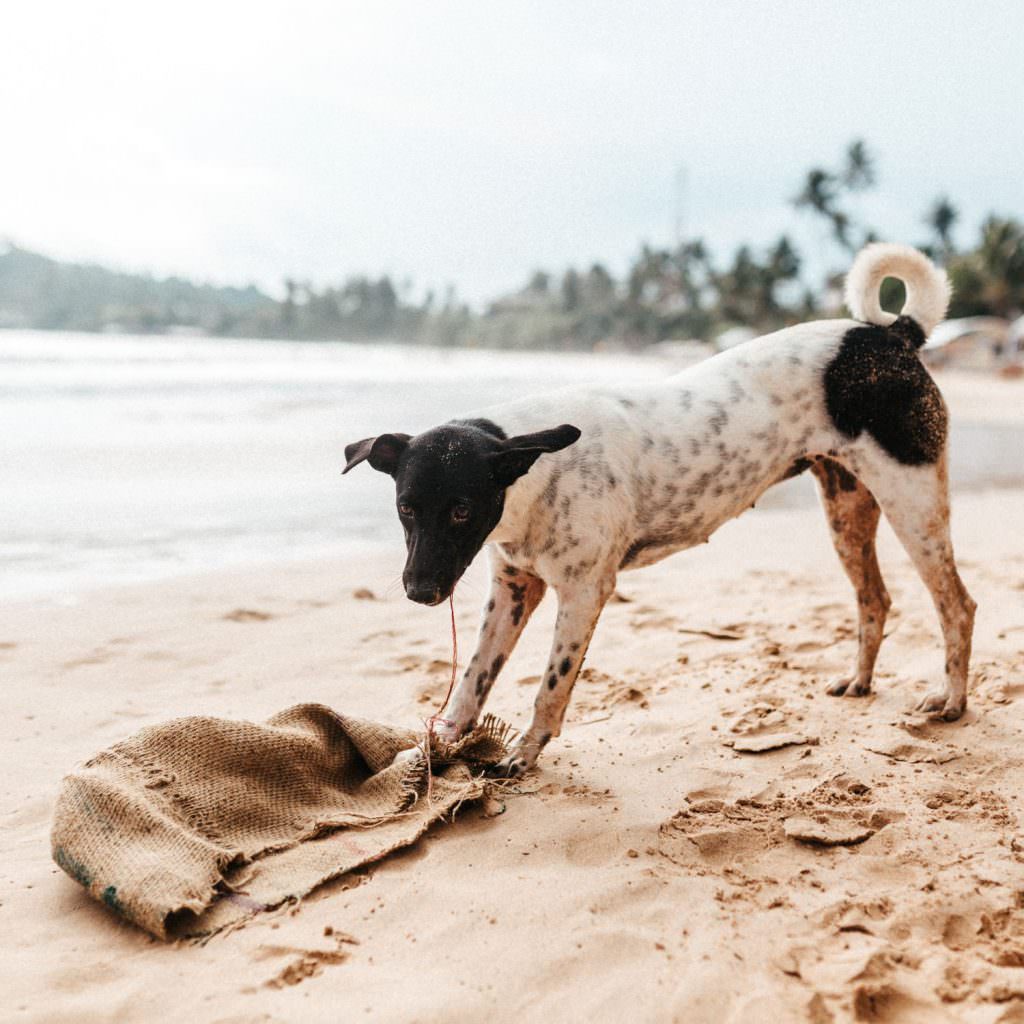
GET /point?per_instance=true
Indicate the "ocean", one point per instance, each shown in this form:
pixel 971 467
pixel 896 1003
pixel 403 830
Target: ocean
pixel 127 459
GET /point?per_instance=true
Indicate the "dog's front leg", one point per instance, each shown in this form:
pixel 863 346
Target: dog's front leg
pixel 513 597
pixel 579 608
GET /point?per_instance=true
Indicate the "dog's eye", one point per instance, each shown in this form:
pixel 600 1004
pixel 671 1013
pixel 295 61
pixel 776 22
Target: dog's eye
pixel 404 510
pixel 460 514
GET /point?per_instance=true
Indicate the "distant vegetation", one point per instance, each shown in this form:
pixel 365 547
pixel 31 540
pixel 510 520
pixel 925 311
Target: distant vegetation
pixel 672 293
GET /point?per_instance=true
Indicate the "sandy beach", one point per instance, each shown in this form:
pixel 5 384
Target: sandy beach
pixel 648 870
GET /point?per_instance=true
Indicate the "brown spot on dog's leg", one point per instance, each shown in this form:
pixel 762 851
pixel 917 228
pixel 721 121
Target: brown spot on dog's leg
pixel 853 517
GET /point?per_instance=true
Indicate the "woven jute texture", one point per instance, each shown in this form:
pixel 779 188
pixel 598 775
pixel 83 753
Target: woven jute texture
pixel 196 824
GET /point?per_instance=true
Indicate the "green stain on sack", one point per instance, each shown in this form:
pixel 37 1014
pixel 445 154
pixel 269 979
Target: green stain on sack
pixel 83 876
pixel 75 868
pixel 109 897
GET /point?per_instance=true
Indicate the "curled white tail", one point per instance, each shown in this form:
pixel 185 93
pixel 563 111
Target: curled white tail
pixel 927 286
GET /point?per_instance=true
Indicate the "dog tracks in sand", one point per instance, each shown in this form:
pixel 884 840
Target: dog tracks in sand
pixel 763 727
pixel 827 831
pixel 919 748
pixel 761 744
pixel 307 963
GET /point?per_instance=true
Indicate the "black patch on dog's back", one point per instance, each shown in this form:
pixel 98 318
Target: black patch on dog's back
pixel 877 383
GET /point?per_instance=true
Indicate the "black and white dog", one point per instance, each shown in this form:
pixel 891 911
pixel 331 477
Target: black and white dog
pixel 647 470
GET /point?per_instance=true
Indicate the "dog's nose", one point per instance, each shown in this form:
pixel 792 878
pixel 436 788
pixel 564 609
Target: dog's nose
pixel 423 593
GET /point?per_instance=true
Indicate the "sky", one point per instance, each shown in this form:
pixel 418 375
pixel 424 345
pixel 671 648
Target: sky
pixel 469 143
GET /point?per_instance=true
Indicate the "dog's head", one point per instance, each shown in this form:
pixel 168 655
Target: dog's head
pixel 450 485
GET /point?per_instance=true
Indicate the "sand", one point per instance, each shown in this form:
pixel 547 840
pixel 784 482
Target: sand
pixel 871 868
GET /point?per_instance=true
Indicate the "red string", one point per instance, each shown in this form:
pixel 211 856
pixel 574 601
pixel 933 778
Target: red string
pixel 436 717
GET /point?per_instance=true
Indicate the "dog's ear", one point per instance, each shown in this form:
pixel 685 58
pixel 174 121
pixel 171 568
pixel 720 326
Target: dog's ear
pixel 383 452
pixel 518 454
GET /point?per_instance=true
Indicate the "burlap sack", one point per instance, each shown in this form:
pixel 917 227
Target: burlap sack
pixel 196 824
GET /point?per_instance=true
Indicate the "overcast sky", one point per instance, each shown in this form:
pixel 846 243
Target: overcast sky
pixel 472 142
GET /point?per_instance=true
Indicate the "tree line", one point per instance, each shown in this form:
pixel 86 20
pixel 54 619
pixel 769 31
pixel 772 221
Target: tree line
pixel 667 293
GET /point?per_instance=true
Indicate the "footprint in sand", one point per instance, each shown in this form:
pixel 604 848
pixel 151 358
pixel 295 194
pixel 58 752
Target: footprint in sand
pixel 307 963
pixel 413 662
pixel 656 621
pixel 528 681
pixel 380 634
pixel 97 657
pixel 598 691
pixel 247 615
pixel 767 726
pixel 715 833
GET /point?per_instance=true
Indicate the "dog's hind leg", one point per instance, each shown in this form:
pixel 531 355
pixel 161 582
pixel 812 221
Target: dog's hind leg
pixel 853 517
pixel 915 500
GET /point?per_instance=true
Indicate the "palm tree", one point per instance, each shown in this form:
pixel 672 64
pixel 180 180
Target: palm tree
pixel 783 262
pixel 570 291
pixel 841 230
pixel 818 193
pixel 691 270
pixel 941 217
pixel 1001 259
pixel 859 172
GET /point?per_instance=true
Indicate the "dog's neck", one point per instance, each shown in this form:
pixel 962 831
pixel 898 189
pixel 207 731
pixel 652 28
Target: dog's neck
pixel 520 503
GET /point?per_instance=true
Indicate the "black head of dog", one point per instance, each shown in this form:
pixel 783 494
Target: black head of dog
pixel 450 485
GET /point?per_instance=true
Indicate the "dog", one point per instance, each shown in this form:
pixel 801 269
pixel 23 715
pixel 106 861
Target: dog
pixel 638 472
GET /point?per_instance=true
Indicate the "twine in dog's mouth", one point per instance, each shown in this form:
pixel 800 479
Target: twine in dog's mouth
pixel 436 716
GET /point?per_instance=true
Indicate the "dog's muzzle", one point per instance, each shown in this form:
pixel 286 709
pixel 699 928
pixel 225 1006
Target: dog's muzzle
pixel 425 593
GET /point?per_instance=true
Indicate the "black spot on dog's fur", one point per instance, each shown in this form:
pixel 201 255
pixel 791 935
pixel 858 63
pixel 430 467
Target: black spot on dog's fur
pixel 877 383
pixel 552 681
pixel 720 418
pixel 551 488
pixel 563 669
pixel 496 666
pixel 837 478
pixel 798 467
pixel 642 544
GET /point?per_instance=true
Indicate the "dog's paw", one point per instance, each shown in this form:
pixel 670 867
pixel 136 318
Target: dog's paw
pixel 409 756
pixel 941 706
pixel 512 767
pixel 849 686
pixel 447 730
